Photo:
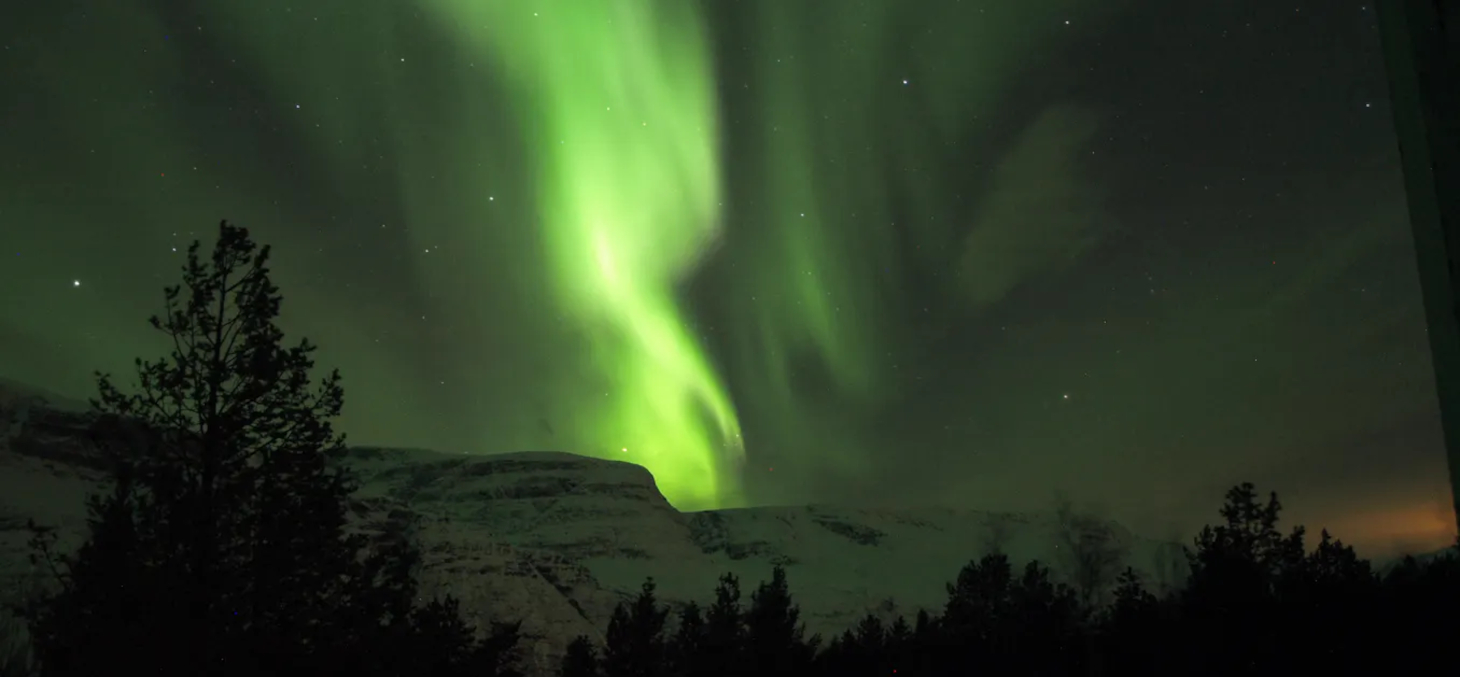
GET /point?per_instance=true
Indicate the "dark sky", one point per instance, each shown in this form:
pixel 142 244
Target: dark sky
pixel 929 251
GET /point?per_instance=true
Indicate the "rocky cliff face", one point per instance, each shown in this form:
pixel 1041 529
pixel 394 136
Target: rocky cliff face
pixel 557 540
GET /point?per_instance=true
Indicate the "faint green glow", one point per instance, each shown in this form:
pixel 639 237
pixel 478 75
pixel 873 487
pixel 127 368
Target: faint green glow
pixel 618 101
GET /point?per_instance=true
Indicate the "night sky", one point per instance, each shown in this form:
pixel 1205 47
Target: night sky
pixel 854 251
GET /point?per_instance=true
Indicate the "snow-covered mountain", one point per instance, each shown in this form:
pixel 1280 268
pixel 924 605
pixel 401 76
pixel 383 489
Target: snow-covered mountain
pixel 557 540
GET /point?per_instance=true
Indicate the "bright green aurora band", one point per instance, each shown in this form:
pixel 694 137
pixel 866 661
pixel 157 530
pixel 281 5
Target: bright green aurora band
pixel 618 100
pixel 586 184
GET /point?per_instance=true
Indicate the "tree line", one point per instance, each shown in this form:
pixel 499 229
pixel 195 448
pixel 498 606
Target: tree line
pixel 1257 602
pixel 221 546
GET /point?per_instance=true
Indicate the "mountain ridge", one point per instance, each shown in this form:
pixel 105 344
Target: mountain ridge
pixel 557 540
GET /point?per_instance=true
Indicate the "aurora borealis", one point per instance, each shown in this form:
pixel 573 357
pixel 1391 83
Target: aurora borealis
pixel 970 253
pixel 627 194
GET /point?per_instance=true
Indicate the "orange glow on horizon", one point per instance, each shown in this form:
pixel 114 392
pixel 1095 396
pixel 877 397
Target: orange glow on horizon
pixel 1415 528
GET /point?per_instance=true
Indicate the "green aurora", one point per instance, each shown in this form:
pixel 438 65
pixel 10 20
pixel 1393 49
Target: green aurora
pixel 779 252
pixel 573 154
pixel 626 169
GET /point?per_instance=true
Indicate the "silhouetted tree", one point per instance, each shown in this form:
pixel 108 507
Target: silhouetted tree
pixel 1259 604
pixel 581 659
pixel 688 643
pixel 498 653
pixel 1420 622
pixel 221 546
pixel 993 621
pixel 924 653
pixel 1132 600
pixel 978 610
pixel 924 624
pixel 1329 602
pixel 1230 598
pixel 442 643
pixel 775 639
pixel 870 634
pixel 1046 631
pixel 723 645
pixel 857 652
pixel 1133 638
pixel 634 645
pixel 899 643
pixel 1249 540
pixel 836 656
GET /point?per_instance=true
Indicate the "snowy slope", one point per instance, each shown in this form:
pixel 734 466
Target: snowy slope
pixel 557 540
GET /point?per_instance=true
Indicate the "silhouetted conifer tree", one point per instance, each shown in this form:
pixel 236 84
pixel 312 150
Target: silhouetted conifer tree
pixel 1258 604
pixel 870 640
pixel 979 609
pixel 1329 604
pixel 687 646
pixel 899 645
pixel 1132 638
pixel 992 621
pixel 220 548
pixel 1131 597
pixel 870 635
pixel 723 645
pixel 836 656
pixel 442 643
pixel 1046 633
pixel 856 652
pixel 923 626
pixel 775 639
pixel 634 645
pixel 925 652
pixel 581 659
pixel 1420 622
pixel 1230 598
